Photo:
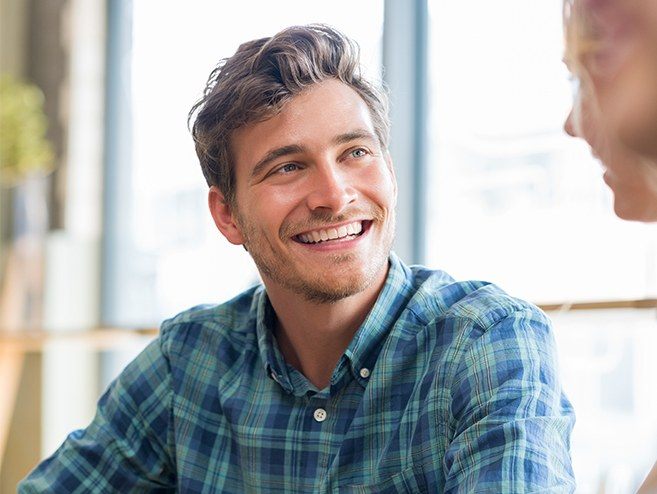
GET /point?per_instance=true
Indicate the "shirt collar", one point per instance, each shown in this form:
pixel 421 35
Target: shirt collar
pixel 270 354
pixel 364 348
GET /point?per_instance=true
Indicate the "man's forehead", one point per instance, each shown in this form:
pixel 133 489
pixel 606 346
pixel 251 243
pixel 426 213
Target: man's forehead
pixel 271 155
pixel 329 112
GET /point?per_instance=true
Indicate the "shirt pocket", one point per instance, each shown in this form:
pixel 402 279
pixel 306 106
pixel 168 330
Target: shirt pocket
pixel 411 480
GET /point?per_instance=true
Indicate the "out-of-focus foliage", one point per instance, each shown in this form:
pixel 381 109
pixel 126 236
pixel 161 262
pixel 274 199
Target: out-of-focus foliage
pixel 24 148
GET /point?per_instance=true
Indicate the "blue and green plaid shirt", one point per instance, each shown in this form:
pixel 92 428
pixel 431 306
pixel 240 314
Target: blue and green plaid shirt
pixel 447 387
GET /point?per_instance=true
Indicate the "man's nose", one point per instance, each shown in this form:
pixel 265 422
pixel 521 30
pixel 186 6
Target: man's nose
pixel 332 189
pixel 569 125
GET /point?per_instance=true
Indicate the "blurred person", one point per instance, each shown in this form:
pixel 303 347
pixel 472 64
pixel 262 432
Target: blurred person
pixel 346 370
pixel 613 45
pixel 611 50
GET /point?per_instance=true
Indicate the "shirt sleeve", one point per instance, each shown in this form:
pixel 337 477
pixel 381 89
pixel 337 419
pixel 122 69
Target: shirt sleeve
pixel 127 446
pixel 510 418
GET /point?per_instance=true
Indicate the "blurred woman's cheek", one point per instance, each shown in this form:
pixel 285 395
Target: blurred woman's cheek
pixel 633 106
pixel 585 115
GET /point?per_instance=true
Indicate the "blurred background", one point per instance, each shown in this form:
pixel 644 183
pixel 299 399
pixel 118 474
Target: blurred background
pixel 104 230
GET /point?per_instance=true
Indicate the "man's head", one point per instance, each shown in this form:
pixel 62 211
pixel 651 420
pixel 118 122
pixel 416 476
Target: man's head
pixel 613 57
pixel 264 74
pixel 293 142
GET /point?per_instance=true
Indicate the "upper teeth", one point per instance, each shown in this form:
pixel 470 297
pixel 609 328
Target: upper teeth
pixel 332 233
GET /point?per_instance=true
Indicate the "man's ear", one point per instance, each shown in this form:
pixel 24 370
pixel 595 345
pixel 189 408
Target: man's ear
pixel 223 216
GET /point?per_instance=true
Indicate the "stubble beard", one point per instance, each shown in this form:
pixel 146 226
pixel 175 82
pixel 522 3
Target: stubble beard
pixel 317 289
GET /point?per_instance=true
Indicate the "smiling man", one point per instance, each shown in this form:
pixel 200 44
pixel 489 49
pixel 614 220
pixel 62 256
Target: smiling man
pixel 346 370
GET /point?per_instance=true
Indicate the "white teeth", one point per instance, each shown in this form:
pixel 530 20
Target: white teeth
pixel 332 233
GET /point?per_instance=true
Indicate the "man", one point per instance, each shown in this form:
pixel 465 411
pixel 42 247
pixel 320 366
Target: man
pixel 347 371
pixel 611 50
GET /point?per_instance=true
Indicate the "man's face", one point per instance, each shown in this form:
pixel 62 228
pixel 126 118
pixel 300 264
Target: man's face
pixel 315 195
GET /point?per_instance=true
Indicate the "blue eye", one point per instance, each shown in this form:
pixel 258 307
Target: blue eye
pixel 288 167
pixel 359 153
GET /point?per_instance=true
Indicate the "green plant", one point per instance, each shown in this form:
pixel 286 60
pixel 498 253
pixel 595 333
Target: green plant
pixel 24 148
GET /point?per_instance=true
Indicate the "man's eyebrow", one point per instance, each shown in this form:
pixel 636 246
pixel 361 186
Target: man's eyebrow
pixel 353 136
pixel 276 153
pixel 273 155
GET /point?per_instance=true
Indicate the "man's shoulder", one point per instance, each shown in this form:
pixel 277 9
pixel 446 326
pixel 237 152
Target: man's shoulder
pixel 466 318
pixel 231 322
pixel 483 304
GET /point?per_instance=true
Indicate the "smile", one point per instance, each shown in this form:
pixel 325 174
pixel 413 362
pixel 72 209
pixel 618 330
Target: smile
pixel 342 232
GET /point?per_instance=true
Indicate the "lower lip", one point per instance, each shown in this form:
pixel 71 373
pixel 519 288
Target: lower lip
pixel 333 245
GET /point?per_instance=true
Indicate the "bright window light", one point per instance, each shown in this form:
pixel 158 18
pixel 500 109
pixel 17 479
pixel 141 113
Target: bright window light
pixel 512 199
pixel 178 258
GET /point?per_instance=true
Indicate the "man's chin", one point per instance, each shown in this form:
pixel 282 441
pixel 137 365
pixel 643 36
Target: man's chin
pixel 333 287
pixel 339 284
pixel 324 279
pixel 323 296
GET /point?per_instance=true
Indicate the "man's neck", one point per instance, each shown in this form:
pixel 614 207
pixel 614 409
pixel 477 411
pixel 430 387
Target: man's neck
pixel 313 336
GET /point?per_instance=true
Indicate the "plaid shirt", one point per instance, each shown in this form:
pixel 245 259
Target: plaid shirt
pixel 447 387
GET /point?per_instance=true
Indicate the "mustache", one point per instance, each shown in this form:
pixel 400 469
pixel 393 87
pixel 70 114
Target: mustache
pixel 319 219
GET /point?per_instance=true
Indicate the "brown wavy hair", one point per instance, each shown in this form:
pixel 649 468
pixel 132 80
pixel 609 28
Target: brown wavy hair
pixel 256 82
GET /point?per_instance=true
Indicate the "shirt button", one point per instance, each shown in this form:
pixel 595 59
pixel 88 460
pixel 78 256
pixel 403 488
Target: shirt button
pixel 364 373
pixel 320 415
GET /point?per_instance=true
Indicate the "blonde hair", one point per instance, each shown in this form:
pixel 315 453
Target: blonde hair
pixel 593 28
pixel 581 38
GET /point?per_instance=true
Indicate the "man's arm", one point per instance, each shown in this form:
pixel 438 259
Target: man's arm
pixel 127 447
pixel 511 421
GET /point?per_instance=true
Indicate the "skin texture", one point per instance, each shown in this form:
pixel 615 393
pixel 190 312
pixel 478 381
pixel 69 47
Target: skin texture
pixel 327 170
pixel 635 108
pixel 631 177
pixel 614 43
pixel 615 106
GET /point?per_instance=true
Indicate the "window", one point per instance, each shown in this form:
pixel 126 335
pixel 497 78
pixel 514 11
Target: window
pixel 168 255
pixel 608 369
pixel 512 199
